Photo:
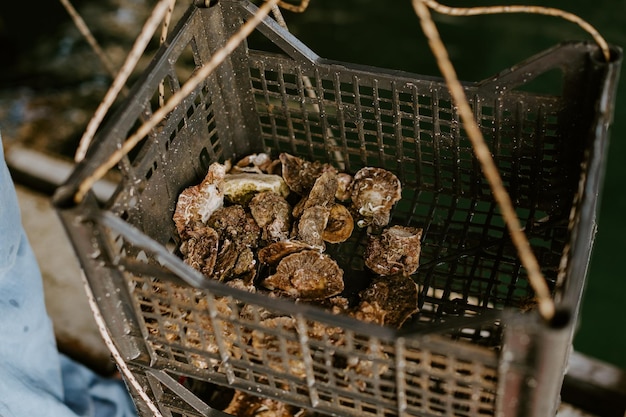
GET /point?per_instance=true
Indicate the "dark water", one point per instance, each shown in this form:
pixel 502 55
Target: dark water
pixel 387 34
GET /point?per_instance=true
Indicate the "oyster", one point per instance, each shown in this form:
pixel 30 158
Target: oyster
pixel 339 226
pixel 274 252
pixel 239 235
pixel 272 213
pixel 307 275
pixel 244 404
pixel 258 163
pixel 374 192
pixel 300 175
pixel 323 191
pixel 312 224
pixel 200 249
pixel 196 203
pixel 240 188
pixel 392 298
pixel 235 224
pixel 234 261
pixel 395 251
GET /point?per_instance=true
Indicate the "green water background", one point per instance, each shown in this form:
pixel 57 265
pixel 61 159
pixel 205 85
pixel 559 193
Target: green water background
pixel 387 34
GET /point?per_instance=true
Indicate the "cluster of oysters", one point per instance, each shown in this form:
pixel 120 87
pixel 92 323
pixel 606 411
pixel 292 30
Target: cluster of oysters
pixel 281 213
pixel 263 225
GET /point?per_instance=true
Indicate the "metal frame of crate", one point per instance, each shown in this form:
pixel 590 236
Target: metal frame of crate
pixel 472 350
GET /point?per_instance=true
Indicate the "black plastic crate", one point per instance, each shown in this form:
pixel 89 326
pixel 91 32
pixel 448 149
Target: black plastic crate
pixel 476 343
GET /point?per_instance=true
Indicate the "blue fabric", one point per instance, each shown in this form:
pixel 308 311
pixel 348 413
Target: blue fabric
pixel 35 379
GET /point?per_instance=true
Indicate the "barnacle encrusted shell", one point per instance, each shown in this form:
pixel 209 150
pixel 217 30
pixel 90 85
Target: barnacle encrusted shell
pixel 339 225
pixel 240 188
pixel 234 261
pixel 272 213
pixel 374 192
pixel 396 296
pixel 300 175
pixel 395 251
pixel 370 312
pixel 200 249
pixel 196 203
pixel 307 275
pixel 239 235
pixel 235 224
pixel 245 404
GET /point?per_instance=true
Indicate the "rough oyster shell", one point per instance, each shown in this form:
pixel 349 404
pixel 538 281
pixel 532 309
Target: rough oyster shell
pixel 308 275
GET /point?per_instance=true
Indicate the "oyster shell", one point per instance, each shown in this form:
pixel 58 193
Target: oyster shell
pixel 244 404
pixel 300 175
pixel 257 163
pixel 323 191
pixel 200 249
pixel 239 235
pixel 234 261
pixel 274 252
pixel 312 224
pixel 196 203
pixel 396 250
pixel 272 213
pixel 344 187
pixel 240 188
pixel 339 226
pixel 307 275
pixel 393 298
pixel 235 224
pixel 374 193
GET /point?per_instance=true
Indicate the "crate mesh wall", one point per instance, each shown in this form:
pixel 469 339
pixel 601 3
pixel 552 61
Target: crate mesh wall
pixel 307 362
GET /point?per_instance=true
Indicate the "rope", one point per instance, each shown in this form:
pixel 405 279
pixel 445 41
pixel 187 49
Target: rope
pixel 84 30
pixel 548 11
pixel 120 80
pixel 294 8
